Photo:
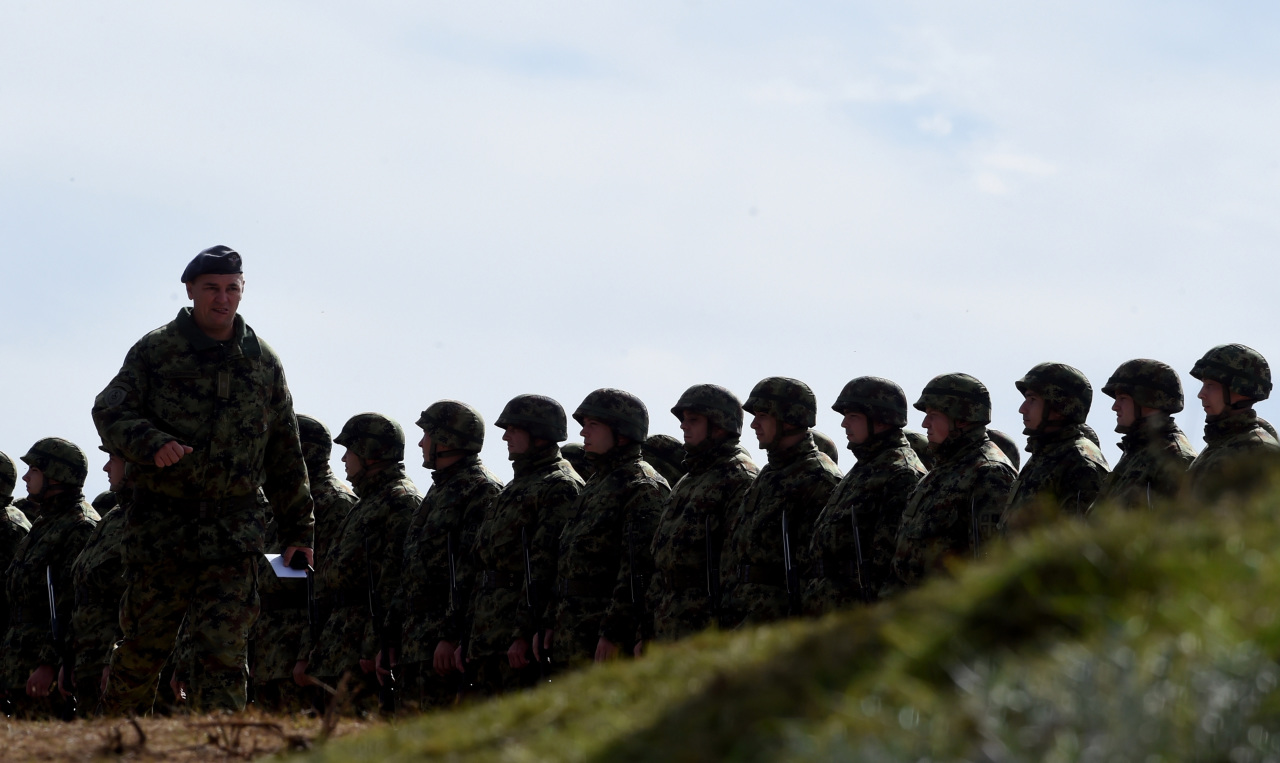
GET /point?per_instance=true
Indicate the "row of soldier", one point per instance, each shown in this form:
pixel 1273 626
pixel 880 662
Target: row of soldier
pixel 480 587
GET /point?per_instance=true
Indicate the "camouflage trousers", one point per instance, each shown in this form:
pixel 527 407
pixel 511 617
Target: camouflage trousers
pixel 677 614
pixel 219 601
pixel 753 604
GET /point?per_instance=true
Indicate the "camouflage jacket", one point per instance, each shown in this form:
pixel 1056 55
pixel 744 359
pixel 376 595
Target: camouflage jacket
pixel 536 503
pixel 380 518
pixel 229 402
pixel 612 525
pixel 98 576
pixel 423 610
pixel 718 477
pixel 963 496
pixel 799 481
pixel 1063 476
pixel 1238 456
pixel 57 537
pixel 14 526
pixel 1153 466
pixel 877 488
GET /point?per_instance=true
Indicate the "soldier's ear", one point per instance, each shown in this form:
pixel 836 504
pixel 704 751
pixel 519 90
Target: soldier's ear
pixel 190 292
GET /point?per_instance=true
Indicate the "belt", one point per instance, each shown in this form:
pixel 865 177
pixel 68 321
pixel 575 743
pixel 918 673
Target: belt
pixel 345 597
pixel 275 601
pixel 680 580
pixel 846 571
pixel 585 587
pixel 762 575
pixel 494 579
pixel 203 508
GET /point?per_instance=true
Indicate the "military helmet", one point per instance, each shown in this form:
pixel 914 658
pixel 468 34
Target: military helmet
pixel 919 442
pixel 719 405
pixel 959 396
pixel 105 501
pixel 1064 389
pixel 625 413
pixel 666 455
pixel 60 460
pixel 1150 383
pixel 453 426
pixel 790 401
pixel 8 476
pixel 576 455
pixel 1007 446
pixel 373 437
pixel 317 442
pixel 1090 435
pixel 1240 370
pixel 826 445
pixel 540 416
pixel 878 399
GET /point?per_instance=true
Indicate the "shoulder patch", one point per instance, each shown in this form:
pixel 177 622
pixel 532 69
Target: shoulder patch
pixel 115 395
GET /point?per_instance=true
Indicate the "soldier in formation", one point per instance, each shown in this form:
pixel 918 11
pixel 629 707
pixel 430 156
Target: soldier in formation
pixel 1239 454
pixel 14 525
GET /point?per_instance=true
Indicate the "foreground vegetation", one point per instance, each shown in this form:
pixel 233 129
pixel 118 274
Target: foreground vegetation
pixel 1149 636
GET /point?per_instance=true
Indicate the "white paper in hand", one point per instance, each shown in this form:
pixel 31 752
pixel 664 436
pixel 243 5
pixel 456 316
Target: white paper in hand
pixel 278 567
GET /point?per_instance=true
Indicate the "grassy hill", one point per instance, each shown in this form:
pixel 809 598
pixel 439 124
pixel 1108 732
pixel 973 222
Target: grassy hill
pixel 1149 636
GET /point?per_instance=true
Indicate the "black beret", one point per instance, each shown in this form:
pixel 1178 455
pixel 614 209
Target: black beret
pixel 216 260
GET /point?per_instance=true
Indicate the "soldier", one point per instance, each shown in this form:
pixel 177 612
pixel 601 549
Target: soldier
pixel 847 568
pixel 1238 453
pixel 202 413
pixel 33 651
pixel 919 442
pixel 603 561
pixel 955 508
pixel 684 593
pixel 1007 446
pixel 769 532
pixel 98 577
pixel 282 629
pixel 513 575
pixel 1066 469
pixel 15 525
pixel 826 446
pixel 358 575
pixel 1156 453
pixel 429 608
pixel 576 455
pixel 665 454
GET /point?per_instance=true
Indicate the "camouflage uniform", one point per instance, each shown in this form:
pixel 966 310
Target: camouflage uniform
pixel 665 454
pixel 793 486
pixel 425 609
pixel 1156 453
pixel 29 508
pixel 683 593
pixel 1066 469
pixel 961 498
pixel 283 625
pixel 538 500
pixel 376 524
pixel 612 526
pixel 1239 454
pixel 826 446
pixel 1006 445
pixel 98 576
pixel 15 524
pixel 877 488
pixel 194 527
pixel 56 538
pixel 919 442
pixel 574 453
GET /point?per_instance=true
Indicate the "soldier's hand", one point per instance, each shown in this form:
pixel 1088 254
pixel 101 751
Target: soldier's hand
pixel 40 682
pixel 639 650
pixel 442 660
pixel 300 676
pixel 457 660
pixel 171 453
pixel 63 682
pixel 382 664
pixel 605 650
pixel 518 654
pixel 106 678
pixel 366 666
pixel 545 652
pixel 179 688
pixel 290 551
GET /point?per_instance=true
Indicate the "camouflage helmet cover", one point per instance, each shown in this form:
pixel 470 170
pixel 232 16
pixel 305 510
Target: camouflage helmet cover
pixel 665 454
pixel 1150 383
pixel 826 446
pixel 1064 389
pixel 719 405
pixel 317 442
pixel 8 476
pixel 60 460
pixel 453 426
pixel 959 396
pixel 878 399
pixel 542 417
pixel 1007 446
pixel 919 442
pixel 1241 370
pixel 790 401
pixel 373 437
pixel 625 413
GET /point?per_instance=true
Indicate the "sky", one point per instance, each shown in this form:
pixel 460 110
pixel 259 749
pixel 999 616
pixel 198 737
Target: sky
pixel 477 200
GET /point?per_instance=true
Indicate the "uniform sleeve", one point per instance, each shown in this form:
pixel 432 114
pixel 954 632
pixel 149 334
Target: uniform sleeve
pixel 990 494
pixel 64 590
pixel 120 416
pixel 286 483
pixel 457 623
pixel 388 567
pixel 627 617
pixel 1081 485
pixel 554 507
pixel 880 530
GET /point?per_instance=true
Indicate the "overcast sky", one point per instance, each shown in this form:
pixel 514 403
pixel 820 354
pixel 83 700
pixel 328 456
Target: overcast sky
pixel 477 200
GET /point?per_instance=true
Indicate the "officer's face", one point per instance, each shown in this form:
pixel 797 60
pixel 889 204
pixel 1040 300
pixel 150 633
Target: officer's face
pixel 115 472
pixel 856 427
pixel 517 440
pixel 694 427
pixel 34 479
pixel 351 462
pixel 1125 412
pixel 597 437
pixel 425 444
pixel 1211 398
pixel 215 300
pixel 936 424
pixel 765 425
pixel 1032 410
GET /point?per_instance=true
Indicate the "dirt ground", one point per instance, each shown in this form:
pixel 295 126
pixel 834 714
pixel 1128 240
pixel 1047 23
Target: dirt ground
pixel 247 736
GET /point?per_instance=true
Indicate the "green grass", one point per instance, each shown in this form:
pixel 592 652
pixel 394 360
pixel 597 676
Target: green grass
pixel 1150 636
